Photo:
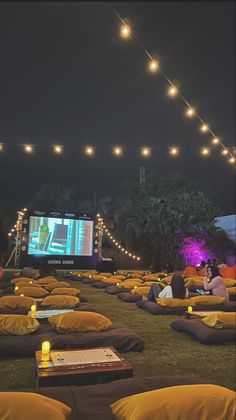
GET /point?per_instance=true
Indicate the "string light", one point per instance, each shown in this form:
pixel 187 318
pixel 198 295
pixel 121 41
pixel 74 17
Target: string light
pixel 117 244
pixel 204 128
pixel 174 151
pixel 125 31
pixel 153 66
pixel 58 149
pixel 145 151
pixel 232 160
pixel 224 152
pixel 89 150
pixel 172 91
pixel 205 151
pixel 117 151
pixel 215 140
pixel 28 148
pixel 190 112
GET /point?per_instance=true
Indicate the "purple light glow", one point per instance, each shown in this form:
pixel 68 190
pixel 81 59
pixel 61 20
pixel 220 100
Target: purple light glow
pixel 194 252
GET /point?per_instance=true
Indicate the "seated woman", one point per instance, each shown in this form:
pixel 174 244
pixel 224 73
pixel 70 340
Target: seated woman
pixel 214 282
pixel 176 289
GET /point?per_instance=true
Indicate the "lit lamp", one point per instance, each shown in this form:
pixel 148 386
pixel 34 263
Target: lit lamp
pixel 190 309
pixel 16 288
pixel 33 310
pixel 45 351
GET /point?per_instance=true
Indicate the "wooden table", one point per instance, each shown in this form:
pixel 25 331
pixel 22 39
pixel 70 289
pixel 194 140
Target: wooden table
pixel 80 374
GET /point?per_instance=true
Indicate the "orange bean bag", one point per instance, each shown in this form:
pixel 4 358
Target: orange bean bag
pixel 228 272
pixel 190 271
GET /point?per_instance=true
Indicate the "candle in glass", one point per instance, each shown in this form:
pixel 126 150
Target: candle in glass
pixel 45 350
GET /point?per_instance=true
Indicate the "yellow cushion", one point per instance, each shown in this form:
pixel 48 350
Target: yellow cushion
pixel 118 277
pixel 17 325
pixel 175 303
pixel 98 277
pixel 134 276
pixel 60 301
pixel 221 320
pixel 194 282
pixel 231 291
pixel 26 283
pixel 46 280
pixel 65 291
pixel 106 274
pixel 208 300
pixel 15 302
pixel 141 290
pixel 79 322
pixel 111 280
pixel 51 286
pixel 167 279
pixel 188 402
pixel 31 291
pixel 129 283
pixel 20 279
pixel 150 277
pixel 27 405
pixel 229 282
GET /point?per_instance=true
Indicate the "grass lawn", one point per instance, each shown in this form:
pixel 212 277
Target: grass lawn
pixel 166 352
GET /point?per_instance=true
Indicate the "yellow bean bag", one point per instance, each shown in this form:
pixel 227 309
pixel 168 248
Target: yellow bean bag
pixel 150 277
pixel 229 282
pixel 46 280
pixel 24 279
pixel 231 291
pixel 129 283
pixel 106 274
pixel 16 302
pixel 221 320
pixel 55 284
pixel 167 279
pixel 194 282
pixel 35 292
pixel 65 291
pixel 141 290
pixel 208 300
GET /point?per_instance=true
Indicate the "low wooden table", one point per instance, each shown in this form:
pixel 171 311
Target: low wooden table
pixel 80 374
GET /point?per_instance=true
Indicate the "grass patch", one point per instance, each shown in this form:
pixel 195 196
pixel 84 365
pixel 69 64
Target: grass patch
pixel 166 352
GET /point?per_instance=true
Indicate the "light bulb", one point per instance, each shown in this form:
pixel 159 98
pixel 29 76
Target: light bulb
pixel 117 151
pixel 58 149
pixel 89 151
pixel 215 140
pixel 145 151
pixel 204 128
pixel 125 31
pixel 190 112
pixel 28 148
pixel 153 66
pixel 172 91
pixel 205 151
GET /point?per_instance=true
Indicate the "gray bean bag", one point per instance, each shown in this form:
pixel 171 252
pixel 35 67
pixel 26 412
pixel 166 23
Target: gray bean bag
pixel 155 309
pixel 118 335
pixel 203 333
pixel 94 401
pixel 129 297
pixel 114 290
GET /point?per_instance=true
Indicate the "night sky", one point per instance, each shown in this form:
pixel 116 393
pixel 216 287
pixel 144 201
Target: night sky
pixel 67 78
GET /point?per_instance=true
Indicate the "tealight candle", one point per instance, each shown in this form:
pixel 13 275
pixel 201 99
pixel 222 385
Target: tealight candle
pixel 117 284
pixel 16 288
pixel 33 309
pixel 46 345
pixel 190 309
pixel 22 295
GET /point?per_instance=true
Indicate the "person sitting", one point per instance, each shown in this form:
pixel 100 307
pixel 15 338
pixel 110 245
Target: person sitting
pixel 176 289
pixel 214 282
pixel 201 270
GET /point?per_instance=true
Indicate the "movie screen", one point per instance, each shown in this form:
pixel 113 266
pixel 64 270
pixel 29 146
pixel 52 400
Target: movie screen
pixel 54 236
